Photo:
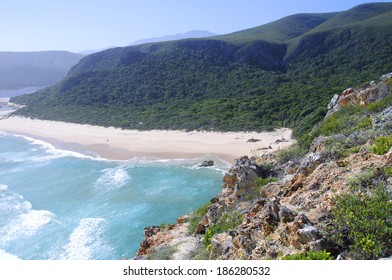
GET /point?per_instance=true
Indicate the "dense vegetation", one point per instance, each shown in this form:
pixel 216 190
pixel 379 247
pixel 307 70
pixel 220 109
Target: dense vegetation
pixel 279 74
pixel 28 69
pixel 362 217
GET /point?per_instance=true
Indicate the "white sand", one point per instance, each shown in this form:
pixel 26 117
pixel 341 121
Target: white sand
pixel 114 143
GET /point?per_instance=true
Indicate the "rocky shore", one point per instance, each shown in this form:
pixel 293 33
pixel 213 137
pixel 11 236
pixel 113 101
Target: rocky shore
pixel 271 206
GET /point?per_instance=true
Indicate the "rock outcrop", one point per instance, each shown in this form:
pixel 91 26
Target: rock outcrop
pixel 361 96
pixel 291 213
pixel 207 163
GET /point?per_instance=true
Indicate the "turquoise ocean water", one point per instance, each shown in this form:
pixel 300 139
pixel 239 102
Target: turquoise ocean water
pixel 60 204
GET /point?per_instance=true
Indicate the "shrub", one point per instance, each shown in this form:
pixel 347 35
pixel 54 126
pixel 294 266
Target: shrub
pixel 388 171
pixel 290 153
pixel 363 179
pixel 362 217
pixel 380 105
pixel 311 255
pixel 382 145
pixel 351 151
pixel 260 182
pixel 364 122
pixel 342 121
pixel 224 223
pixel 196 216
pixel 163 253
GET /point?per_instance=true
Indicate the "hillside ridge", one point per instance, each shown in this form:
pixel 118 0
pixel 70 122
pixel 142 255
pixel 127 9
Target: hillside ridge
pixel 31 69
pixel 240 81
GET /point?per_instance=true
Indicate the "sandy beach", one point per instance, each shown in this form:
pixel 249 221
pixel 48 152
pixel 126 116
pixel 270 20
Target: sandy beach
pixel 115 143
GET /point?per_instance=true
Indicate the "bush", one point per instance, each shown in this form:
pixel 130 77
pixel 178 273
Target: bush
pixel 261 182
pixel 342 121
pixel 388 171
pixel 363 179
pixel 364 122
pixel 224 223
pixel 382 145
pixel 311 255
pixel 196 216
pixel 164 253
pixel 362 217
pixel 380 105
pixel 293 152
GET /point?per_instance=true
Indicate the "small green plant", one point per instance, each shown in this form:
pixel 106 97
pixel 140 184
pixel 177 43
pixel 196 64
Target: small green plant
pixel 196 216
pixel 311 255
pixel 200 253
pixel 348 152
pixel 165 226
pixel 364 122
pixel 293 152
pixel 260 182
pixel 382 145
pixel 163 253
pixel 380 105
pixel 223 224
pixel 388 171
pixel 363 179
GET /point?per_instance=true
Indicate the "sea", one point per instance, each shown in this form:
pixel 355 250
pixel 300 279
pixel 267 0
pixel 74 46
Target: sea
pixel 58 204
pixel 20 91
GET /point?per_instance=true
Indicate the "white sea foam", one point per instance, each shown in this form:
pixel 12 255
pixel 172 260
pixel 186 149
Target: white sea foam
pixel 112 178
pixel 193 163
pixel 12 204
pixel 52 151
pixel 86 240
pixel 7 256
pixel 26 225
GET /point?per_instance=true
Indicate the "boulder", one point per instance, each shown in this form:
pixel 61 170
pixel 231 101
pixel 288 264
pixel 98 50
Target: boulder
pixel 286 215
pixel 207 163
pixel 308 234
pixel 222 243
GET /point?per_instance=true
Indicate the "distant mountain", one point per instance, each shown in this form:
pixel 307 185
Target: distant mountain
pixel 279 74
pixel 86 52
pixel 178 36
pixel 34 69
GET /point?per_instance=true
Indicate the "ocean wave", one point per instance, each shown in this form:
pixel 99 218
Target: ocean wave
pixel 112 178
pixel 3 187
pixel 26 225
pixel 7 256
pixel 12 204
pixel 51 150
pixel 55 152
pixel 86 240
pixel 192 163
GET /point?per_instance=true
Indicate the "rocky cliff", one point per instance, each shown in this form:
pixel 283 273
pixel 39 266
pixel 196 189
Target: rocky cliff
pixel 284 203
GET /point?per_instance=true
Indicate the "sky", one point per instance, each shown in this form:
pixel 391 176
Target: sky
pixel 78 25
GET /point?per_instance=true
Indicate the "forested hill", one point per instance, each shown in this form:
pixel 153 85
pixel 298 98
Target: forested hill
pixel 27 69
pixel 278 74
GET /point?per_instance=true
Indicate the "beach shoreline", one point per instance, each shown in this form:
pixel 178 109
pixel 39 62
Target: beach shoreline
pixel 120 144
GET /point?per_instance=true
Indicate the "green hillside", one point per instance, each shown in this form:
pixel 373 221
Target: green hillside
pixel 284 29
pixel 279 74
pixel 25 69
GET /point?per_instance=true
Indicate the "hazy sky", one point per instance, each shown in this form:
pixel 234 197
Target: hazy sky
pixel 77 25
